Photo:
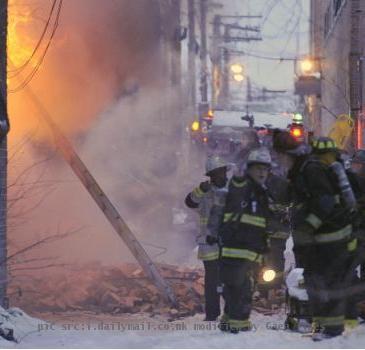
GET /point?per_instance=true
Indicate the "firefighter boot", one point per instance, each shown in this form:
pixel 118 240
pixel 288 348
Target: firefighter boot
pixel 224 323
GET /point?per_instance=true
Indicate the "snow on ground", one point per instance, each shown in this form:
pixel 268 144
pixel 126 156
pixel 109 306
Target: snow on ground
pixel 141 331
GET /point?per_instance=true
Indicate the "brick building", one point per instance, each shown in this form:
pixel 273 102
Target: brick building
pixel 338 47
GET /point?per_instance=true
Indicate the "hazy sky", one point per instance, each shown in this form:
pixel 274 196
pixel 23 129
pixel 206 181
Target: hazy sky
pixel 285 24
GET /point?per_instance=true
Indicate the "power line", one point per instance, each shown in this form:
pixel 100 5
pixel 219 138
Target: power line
pixel 263 57
pixel 30 76
pixel 21 68
pixel 295 27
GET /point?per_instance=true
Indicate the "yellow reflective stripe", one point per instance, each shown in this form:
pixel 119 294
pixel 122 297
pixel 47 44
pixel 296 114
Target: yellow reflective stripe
pixel 314 220
pixel 239 323
pixel 329 321
pixel 280 235
pixel 253 220
pixel 224 318
pixel 349 323
pixel 351 246
pixel 198 192
pixel 241 254
pixel 238 183
pixel 331 144
pixel 208 256
pixel 227 217
pixel 334 236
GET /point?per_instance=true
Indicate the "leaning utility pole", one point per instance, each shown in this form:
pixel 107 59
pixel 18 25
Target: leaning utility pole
pixel 65 148
pixel 4 127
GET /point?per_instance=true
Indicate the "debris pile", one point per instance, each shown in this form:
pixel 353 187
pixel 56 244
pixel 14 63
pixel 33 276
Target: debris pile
pixel 115 290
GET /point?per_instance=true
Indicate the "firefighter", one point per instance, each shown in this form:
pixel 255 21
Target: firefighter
pixel 243 239
pixel 322 232
pixel 358 169
pixel 202 198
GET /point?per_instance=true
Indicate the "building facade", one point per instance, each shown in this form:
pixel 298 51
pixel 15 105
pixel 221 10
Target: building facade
pixel 337 45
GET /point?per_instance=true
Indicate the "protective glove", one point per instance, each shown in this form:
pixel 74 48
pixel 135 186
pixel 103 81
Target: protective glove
pixel 303 235
pixel 211 240
pixel 205 186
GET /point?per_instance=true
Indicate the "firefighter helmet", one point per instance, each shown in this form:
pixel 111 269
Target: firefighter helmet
pixel 214 162
pixel 285 142
pixel 259 156
pixel 324 145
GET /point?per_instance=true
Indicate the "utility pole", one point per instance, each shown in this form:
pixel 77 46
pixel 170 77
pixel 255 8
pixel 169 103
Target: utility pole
pixel 176 45
pixel 225 70
pixel 355 63
pixel 216 61
pixel 65 148
pixel 249 88
pixel 228 38
pixel 203 52
pixel 191 54
pixel 4 127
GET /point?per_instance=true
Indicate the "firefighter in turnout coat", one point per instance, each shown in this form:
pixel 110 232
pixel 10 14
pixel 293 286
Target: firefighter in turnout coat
pixel 243 239
pixel 203 198
pixel 322 234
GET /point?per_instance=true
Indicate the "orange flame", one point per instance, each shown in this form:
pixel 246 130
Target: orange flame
pixel 20 45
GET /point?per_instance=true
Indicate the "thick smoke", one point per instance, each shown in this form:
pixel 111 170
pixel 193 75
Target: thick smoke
pixel 99 52
pixel 103 83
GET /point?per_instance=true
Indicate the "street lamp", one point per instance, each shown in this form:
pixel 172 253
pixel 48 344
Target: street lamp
pixel 238 77
pixel 306 65
pixel 236 68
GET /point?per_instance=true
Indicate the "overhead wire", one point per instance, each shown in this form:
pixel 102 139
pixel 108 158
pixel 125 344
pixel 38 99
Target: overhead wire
pixel 267 56
pixel 285 30
pixel 31 75
pixel 295 27
pixel 37 46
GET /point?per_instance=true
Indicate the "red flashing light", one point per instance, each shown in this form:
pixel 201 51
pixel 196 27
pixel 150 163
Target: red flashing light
pixel 297 132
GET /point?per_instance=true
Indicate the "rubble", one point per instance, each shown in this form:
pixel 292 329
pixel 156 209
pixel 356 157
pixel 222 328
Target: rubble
pixel 116 290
